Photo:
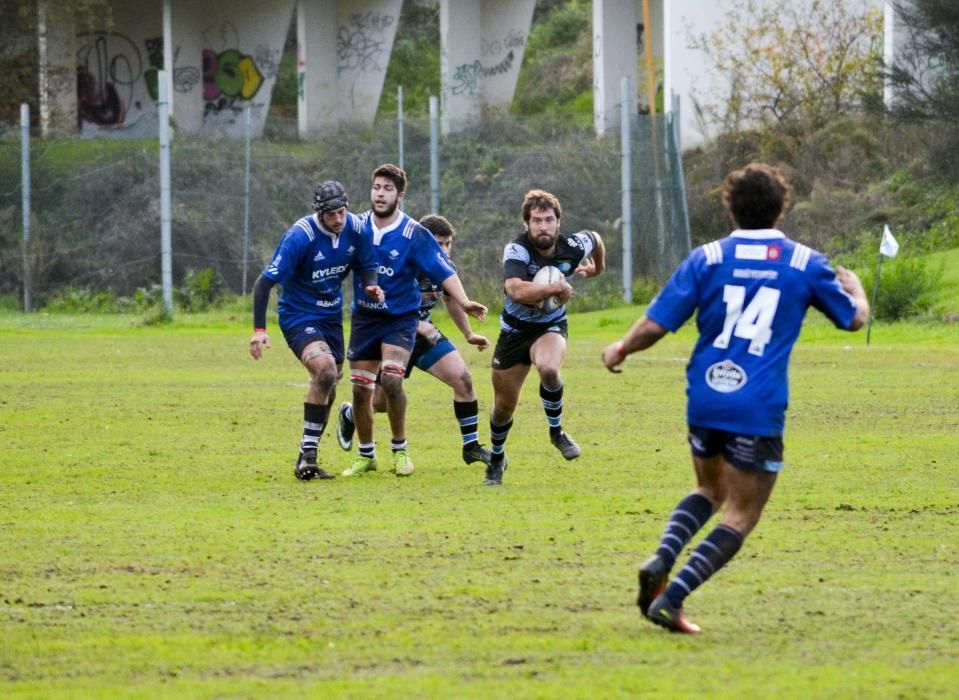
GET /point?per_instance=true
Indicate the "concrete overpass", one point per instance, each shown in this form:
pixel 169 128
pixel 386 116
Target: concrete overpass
pixel 226 55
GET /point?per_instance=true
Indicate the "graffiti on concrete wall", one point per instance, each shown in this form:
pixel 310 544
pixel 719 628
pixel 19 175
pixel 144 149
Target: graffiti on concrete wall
pixel 361 42
pixel 185 78
pixel 108 66
pixel 513 39
pixel 229 75
pixel 466 77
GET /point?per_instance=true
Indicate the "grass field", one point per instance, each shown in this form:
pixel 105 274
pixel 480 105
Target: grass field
pixel 154 543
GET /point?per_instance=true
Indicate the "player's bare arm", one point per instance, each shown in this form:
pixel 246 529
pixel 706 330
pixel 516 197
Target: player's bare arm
pixel 596 263
pixel 261 297
pixel 454 288
pixel 462 322
pixel 852 285
pixel 644 334
pixel 532 293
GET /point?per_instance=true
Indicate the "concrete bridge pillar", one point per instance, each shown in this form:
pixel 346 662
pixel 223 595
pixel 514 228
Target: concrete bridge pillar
pixel 56 44
pixel 614 56
pixel 343 52
pixel 482 44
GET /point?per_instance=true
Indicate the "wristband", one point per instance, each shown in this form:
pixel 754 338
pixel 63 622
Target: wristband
pixel 257 330
pixel 620 350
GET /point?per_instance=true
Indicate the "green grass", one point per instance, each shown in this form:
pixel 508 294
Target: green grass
pixel 155 543
pixel 947 293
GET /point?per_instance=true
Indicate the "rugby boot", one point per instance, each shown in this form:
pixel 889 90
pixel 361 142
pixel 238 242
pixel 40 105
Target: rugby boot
pixel 345 428
pixel 307 468
pixel 360 465
pixel 494 470
pixel 565 444
pixel 475 452
pixel 652 582
pixel 661 612
pixel 402 464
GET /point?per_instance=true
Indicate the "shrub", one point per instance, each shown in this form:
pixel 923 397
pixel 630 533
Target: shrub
pixel 906 288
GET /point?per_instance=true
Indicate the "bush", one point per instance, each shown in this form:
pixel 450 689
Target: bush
pixel 199 291
pixel 906 288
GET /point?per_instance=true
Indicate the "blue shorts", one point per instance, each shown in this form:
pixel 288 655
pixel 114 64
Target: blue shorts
pixel 369 332
pixel 752 453
pixel 426 354
pixel 298 337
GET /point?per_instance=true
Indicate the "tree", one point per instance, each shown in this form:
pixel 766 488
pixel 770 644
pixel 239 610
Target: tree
pixel 791 64
pixel 923 79
pixel 18 60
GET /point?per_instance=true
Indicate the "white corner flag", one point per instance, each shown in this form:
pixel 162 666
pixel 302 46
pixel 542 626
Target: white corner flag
pixel 889 246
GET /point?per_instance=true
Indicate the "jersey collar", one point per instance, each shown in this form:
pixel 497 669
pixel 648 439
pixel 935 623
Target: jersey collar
pixel 322 229
pixel 757 233
pixel 391 227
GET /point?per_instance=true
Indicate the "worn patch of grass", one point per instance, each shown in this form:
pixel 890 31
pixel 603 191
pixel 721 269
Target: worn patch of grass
pixel 155 543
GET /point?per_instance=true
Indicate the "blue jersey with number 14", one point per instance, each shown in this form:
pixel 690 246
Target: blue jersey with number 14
pixel 751 290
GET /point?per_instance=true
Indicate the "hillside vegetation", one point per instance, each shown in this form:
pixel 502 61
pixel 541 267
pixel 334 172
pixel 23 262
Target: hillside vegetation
pixel 851 177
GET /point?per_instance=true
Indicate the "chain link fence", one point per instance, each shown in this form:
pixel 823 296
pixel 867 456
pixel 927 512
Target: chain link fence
pixel 95 205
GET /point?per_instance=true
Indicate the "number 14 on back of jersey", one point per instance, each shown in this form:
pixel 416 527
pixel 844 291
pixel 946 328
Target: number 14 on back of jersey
pixel 754 323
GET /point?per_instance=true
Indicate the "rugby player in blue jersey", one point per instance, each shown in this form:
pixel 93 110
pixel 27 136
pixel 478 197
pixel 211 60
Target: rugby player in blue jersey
pixel 435 354
pixel 750 290
pixel 531 334
pixel 310 264
pixel 383 333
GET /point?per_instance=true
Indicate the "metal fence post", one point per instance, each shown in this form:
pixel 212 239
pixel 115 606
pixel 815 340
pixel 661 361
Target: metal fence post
pixel 434 154
pixel 25 174
pixel 248 135
pixel 166 245
pixel 626 148
pixel 399 121
pixel 680 172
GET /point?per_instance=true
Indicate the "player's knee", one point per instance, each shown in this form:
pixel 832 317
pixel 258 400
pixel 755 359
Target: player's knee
pixel 549 376
pixel 463 383
pixel 324 378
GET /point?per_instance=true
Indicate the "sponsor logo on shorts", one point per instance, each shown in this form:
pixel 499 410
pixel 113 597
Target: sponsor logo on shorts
pixel 725 377
pixel 697 443
pixel 309 330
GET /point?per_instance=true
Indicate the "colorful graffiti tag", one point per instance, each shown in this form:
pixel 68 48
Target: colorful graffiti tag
pixel 229 75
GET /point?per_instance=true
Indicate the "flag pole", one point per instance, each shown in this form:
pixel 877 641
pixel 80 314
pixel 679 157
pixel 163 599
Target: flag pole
pixel 872 305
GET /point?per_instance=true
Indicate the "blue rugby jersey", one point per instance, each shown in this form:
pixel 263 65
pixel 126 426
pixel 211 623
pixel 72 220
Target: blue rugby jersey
pixel 404 251
pixel 751 290
pixel 522 259
pixel 310 264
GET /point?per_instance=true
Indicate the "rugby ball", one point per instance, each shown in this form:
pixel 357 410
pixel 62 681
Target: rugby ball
pixel 548 275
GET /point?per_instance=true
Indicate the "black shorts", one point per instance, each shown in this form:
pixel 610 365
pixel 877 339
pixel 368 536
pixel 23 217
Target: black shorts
pixel 512 347
pixel 752 453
